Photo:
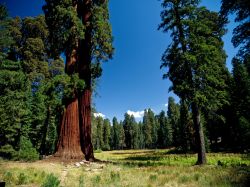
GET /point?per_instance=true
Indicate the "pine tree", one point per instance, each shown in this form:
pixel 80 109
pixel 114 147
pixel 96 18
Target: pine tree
pixel 174 120
pixel 164 131
pixel 15 97
pixel 241 32
pixel 106 135
pixel 141 138
pixel 122 138
pixel 128 130
pixel 240 100
pixel 99 134
pixel 135 133
pixel 115 134
pixel 195 59
pixel 147 129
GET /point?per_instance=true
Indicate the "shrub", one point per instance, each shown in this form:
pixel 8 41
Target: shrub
pixel 7 152
pixel 51 181
pixel 27 152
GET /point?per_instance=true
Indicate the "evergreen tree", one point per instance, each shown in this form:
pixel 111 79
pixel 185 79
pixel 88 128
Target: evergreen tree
pixel 240 100
pixel 106 135
pixel 164 131
pixel 147 129
pixel 195 59
pixel 141 138
pixel 174 120
pixel 122 136
pixel 151 126
pixel 238 120
pixel 99 133
pixel 76 26
pixel 15 95
pixel 186 128
pixel 135 133
pixel 128 130
pixel 115 134
pixel 241 33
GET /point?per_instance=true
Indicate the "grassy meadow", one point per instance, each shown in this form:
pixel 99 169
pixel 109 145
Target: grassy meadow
pixel 132 168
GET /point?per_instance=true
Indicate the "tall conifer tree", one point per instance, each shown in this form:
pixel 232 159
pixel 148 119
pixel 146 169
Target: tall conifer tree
pixel 80 30
pixel 195 59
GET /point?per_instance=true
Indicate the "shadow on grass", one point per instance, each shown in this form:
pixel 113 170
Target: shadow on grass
pixel 133 152
pixel 140 164
pixel 237 177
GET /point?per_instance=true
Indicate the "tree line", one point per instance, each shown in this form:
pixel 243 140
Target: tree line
pixel 172 129
pixel 45 103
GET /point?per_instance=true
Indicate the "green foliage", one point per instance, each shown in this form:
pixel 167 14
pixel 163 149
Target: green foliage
pixel 240 102
pixel 97 133
pixel 174 117
pixel 22 179
pixel 150 126
pixel 127 125
pixel 51 181
pixel 65 27
pixel 7 151
pixel 26 151
pixel 102 48
pixel 14 107
pixel 106 135
pixel 115 134
pixel 241 32
pixel 195 60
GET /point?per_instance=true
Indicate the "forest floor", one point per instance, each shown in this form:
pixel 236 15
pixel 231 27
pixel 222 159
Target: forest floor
pixel 131 168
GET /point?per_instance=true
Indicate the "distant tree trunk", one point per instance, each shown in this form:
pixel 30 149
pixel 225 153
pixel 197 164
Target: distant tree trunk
pixel 85 74
pixel 69 146
pixel 199 135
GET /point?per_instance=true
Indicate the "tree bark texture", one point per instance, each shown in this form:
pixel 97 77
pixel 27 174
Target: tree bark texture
pixel 85 122
pixel 69 146
pixel 85 74
pixel 199 135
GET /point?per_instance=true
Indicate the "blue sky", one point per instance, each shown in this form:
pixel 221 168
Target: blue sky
pixel 132 80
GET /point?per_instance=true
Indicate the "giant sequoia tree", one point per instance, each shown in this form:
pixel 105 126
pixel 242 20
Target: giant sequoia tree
pixel 80 30
pixel 195 59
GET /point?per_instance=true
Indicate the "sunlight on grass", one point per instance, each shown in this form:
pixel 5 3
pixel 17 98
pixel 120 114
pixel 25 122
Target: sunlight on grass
pixel 135 168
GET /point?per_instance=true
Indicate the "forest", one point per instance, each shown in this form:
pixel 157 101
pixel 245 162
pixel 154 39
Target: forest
pixel 50 66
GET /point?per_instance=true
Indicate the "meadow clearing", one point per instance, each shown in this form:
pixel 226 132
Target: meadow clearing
pixel 131 168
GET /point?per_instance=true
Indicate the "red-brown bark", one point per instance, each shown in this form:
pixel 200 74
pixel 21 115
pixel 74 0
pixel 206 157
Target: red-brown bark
pixel 69 146
pixel 85 122
pixel 85 74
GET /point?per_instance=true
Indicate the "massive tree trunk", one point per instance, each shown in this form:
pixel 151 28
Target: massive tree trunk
pixel 69 146
pixel 199 135
pixel 85 122
pixel 85 74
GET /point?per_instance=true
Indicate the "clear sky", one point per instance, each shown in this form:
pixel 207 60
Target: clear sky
pixel 132 80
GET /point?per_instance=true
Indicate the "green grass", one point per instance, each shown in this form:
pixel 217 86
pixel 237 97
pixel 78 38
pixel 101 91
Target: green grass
pixel 135 168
